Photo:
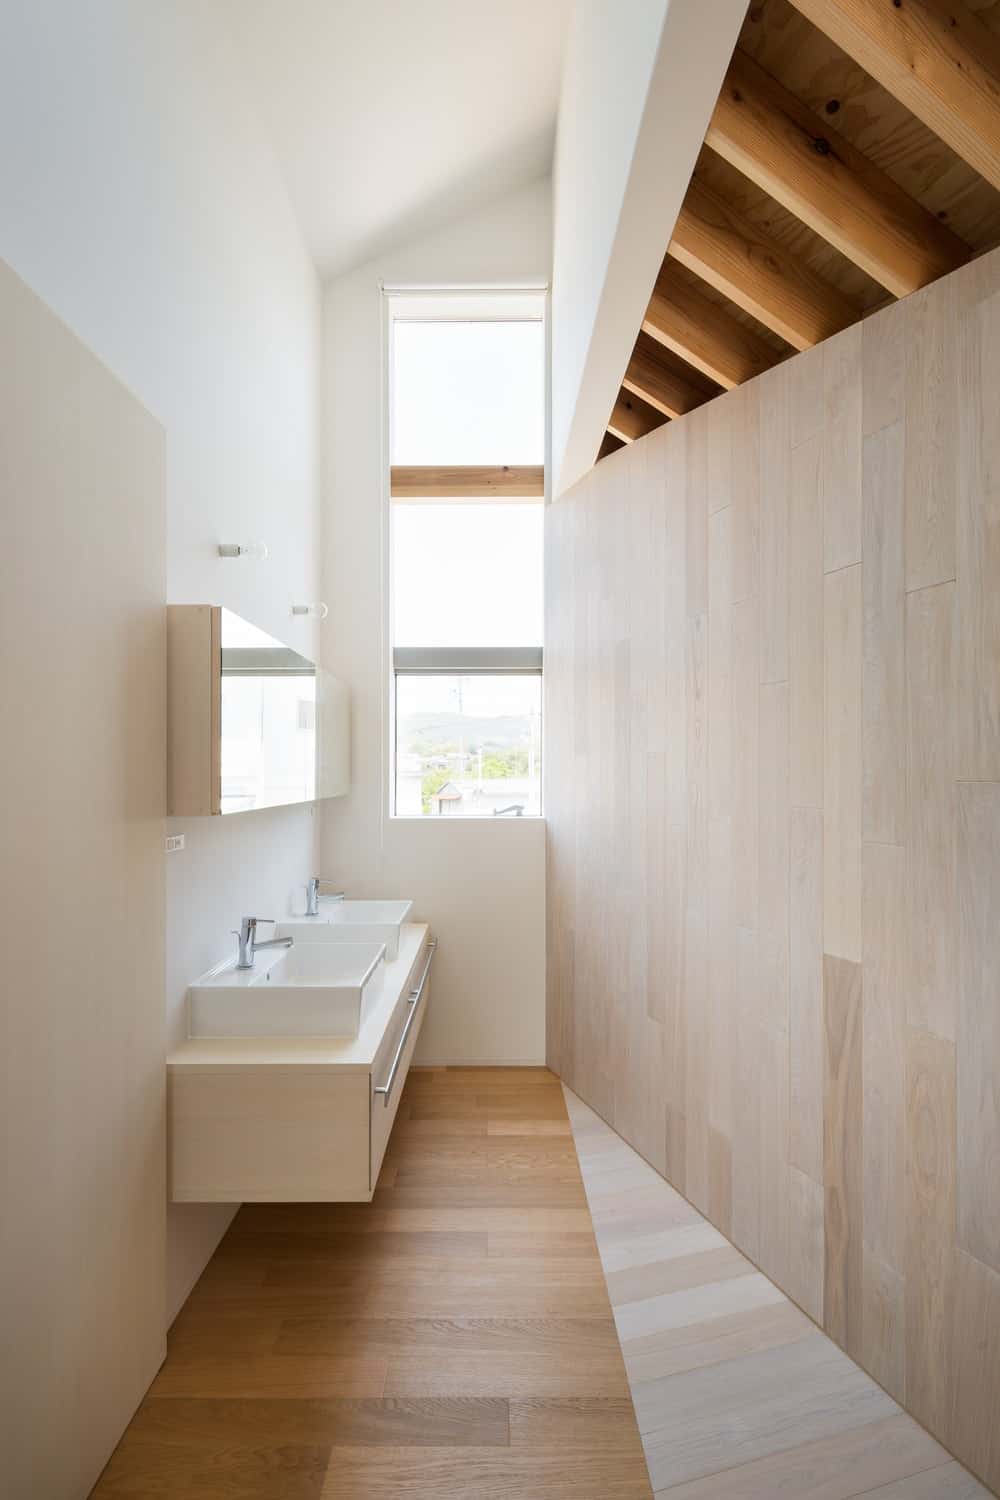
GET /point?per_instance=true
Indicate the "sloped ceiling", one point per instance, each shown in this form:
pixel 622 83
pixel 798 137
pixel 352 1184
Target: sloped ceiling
pixel 390 118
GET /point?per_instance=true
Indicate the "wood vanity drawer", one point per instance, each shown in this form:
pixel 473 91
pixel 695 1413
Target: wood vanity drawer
pixel 394 1058
pixel 268 1136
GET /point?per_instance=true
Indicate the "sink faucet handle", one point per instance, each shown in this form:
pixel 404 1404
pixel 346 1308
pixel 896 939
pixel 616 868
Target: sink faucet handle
pixel 248 927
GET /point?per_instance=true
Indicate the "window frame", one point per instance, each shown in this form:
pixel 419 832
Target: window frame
pixel 523 302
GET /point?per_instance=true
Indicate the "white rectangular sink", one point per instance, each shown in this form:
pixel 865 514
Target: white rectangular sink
pixel 310 989
pixel 351 922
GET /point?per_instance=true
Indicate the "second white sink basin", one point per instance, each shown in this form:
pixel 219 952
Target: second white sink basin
pixel 351 922
pixel 310 989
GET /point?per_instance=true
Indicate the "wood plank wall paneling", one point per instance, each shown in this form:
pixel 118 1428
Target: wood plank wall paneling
pixel 977 559
pixel 979 1020
pixel 842 769
pixel 842 1179
pixel 773 689
pixel 82 1103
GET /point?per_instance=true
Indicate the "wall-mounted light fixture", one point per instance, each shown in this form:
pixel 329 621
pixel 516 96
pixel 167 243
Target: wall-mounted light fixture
pixel 256 550
pixel 314 611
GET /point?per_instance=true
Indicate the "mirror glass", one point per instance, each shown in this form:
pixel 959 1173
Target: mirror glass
pixel 284 723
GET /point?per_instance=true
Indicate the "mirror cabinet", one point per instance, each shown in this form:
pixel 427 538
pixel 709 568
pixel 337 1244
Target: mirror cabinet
pixel 251 723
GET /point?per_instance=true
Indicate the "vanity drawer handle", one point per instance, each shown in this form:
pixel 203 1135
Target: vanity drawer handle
pixel 416 995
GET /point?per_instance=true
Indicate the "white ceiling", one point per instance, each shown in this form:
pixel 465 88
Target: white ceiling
pixel 390 117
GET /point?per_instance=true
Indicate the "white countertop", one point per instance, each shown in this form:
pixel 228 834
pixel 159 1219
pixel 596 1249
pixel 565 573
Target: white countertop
pixel 319 1054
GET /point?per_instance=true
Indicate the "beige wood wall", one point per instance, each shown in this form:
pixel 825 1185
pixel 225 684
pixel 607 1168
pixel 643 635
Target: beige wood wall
pixel 82 753
pixel 773 800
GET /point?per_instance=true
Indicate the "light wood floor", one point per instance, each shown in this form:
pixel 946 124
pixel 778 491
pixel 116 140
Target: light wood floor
pixel 739 1396
pixel 452 1339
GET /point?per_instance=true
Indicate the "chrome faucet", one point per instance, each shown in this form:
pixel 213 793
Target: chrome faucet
pixel 312 895
pixel 249 944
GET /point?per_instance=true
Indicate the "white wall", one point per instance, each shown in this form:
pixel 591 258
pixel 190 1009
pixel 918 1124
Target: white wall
pixel 141 203
pixel 640 80
pixel 480 884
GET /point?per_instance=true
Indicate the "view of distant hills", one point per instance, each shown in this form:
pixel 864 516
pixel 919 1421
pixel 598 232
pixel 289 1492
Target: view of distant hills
pixel 433 729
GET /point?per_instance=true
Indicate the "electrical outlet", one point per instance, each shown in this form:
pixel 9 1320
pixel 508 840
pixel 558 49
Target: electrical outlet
pixel 173 842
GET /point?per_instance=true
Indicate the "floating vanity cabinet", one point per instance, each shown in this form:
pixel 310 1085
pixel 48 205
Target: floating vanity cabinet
pixel 293 1120
pixel 250 722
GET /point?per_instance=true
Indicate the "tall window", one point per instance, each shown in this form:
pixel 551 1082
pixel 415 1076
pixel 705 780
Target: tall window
pixel 467 442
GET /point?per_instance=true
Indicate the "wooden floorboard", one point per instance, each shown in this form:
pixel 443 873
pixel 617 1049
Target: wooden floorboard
pixel 454 1338
pixel 738 1395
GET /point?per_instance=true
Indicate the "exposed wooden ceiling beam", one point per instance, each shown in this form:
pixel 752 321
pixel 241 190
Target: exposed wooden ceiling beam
pixel 664 381
pixel 756 272
pixel 609 444
pixel 431 482
pixel 703 333
pixel 632 417
pixel 936 57
pixel 774 139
